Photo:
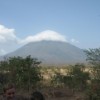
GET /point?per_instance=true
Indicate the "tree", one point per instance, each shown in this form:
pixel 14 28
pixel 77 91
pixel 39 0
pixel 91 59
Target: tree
pixel 93 57
pixel 24 72
pixel 79 76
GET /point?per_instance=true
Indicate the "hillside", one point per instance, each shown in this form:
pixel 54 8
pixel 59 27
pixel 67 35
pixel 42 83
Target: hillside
pixel 51 52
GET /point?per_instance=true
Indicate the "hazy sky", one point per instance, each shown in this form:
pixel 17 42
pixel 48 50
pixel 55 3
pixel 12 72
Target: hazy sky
pixel 73 21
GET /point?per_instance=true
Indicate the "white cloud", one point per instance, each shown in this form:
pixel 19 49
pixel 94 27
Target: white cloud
pixel 45 35
pixel 2 52
pixel 74 41
pixel 9 41
pixel 7 35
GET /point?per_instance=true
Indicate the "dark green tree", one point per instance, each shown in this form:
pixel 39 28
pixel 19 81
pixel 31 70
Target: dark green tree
pixel 24 72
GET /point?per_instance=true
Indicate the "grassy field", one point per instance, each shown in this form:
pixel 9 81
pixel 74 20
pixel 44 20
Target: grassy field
pixel 59 92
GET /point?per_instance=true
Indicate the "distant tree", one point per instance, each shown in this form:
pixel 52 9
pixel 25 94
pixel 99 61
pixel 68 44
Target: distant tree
pixel 57 79
pixel 93 56
pixel 75 79
pixel 79 76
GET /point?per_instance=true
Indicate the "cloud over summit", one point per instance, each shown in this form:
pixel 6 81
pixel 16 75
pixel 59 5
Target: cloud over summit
pixel 9 41
pixel 45 35
pixel 8 36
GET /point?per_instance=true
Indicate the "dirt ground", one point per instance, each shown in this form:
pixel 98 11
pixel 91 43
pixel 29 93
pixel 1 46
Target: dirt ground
pixel 79 96
pixel 62 94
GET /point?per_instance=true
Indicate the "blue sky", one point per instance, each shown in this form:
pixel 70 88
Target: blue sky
pixel 73 21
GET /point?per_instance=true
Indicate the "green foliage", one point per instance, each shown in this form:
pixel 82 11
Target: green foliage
pixel 57 79
pixel 79 76
pixel 24 72
pixel 93 57
pixel 75 79
pixel 93 91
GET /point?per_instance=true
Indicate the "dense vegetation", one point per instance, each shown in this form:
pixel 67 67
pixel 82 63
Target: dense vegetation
pixel 26 73
pixel 23 72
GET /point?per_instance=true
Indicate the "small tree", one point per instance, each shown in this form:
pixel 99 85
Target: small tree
pixel 79 76
pixel 93 57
